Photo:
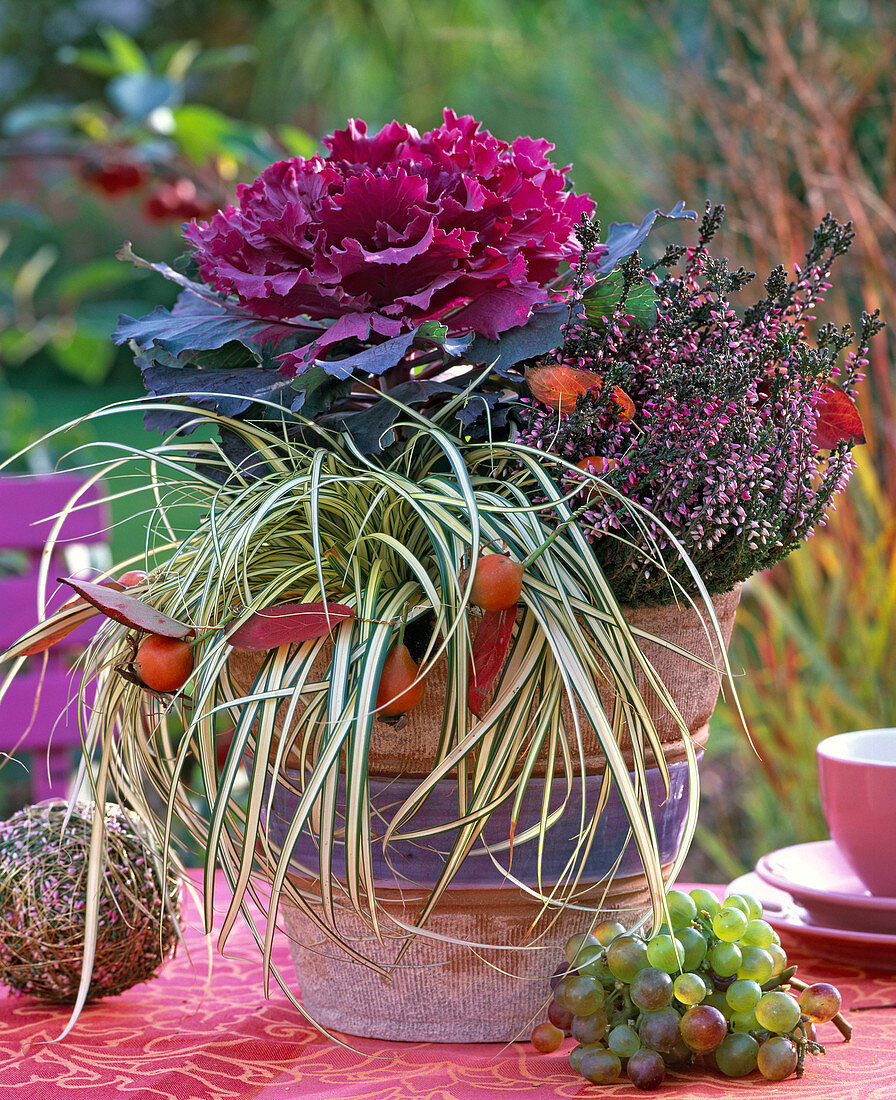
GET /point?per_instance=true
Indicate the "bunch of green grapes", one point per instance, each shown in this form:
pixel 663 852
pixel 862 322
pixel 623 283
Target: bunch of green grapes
pixel 713 986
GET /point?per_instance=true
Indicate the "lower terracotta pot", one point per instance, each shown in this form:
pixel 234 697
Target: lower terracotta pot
pixel 443 992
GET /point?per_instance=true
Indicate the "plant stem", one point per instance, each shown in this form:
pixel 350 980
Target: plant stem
pixel 526 562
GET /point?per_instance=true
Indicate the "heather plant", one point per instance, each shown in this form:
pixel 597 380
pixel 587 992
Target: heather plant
pixel 733 427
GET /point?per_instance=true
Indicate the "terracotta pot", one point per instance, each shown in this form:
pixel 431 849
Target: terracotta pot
pixel 482 988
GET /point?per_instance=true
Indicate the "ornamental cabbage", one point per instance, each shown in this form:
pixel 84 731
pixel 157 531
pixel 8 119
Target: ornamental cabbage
pixel 388 231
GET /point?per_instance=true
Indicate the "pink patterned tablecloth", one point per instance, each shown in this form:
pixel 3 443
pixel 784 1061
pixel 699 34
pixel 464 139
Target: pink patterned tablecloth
pixel 191 1035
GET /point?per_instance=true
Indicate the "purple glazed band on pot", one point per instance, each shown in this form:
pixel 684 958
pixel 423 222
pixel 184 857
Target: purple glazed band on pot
pixel 408 863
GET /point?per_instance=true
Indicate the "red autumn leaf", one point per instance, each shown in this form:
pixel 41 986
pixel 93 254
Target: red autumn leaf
pixel 838 418
pixel 116 586
pixel 57 628
pixel 283 623
pixel 64 621
pixel 490 648
pixel 558 386
pixel 128 610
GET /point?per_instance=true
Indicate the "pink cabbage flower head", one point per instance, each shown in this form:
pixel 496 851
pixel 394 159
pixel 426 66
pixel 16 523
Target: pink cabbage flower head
pixel 389 231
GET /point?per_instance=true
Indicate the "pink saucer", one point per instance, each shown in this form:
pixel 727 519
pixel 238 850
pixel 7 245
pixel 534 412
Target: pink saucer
pixel 819 878
pixel 870 950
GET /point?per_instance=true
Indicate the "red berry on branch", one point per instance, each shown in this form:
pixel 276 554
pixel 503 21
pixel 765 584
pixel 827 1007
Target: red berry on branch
pixel 113 176
pixel 400 688
pixel 132 577
pixel 177 200
pixel 497 582
pixel 163 664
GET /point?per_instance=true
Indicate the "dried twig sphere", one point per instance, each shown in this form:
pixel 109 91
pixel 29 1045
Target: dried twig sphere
pixel 43 880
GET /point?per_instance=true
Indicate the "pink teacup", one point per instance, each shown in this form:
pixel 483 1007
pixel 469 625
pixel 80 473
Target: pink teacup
pixel 857 778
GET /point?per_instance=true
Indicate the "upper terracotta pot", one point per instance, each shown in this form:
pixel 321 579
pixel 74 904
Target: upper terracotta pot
pixel 410 748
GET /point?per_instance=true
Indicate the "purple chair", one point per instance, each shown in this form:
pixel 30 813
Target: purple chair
pixel 52 736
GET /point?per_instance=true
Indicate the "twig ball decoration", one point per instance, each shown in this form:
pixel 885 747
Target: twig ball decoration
pixel 43 881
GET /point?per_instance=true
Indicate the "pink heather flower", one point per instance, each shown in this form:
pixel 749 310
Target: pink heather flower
pixel 391 230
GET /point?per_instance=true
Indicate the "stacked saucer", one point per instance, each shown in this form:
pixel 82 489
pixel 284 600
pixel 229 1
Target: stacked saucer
pixel 811 896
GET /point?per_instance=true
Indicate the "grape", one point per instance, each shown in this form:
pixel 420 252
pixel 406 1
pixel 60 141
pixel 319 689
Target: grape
pixel 756 963
pixel 646 1069
pixel 689 988
pixel 754 906
pixel 735 901
pixel 717 999
pixel 600 1067
pixel 682 908
pixel 607 931
pixel 559 974
pixel 703 1028
pixel 743 1021
pixel 579 994
pixel 725 959
pixel 705 901
pixel 777 1011
pixel 666 953
pixel 736 1055
pixel 779 958
pixel 575 1055
pixel 729 923
pixel 575 945
pixel 560 1017
pixel 590 1029
pixel 695 947
pixel 743 995
pixel 592 962
pixel 651 989
pixel 688 995
pixel 626 955
pixel 820 1002
pixel 747 904
pixel 546 1037
pixel 758 933
pixel 680 1055
pixel 623 1040
pixel 777 1058
pixel 659 1030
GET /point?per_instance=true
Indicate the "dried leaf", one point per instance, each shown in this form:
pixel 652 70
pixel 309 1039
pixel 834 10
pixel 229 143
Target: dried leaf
pixel 128 610
pixel 283 623
pixel 625 405
pixel 489 651
pixel 838 418
pixel 558 386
